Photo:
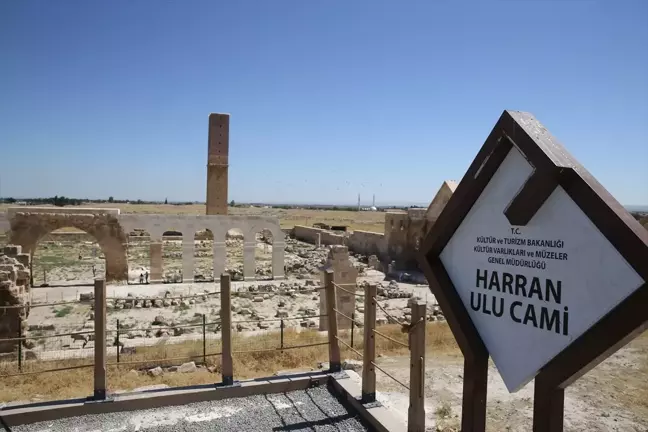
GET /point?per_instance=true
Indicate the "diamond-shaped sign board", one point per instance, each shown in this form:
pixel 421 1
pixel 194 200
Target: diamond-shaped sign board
pixel 528 262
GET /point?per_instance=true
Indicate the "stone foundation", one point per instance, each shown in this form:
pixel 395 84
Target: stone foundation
pixel 14 291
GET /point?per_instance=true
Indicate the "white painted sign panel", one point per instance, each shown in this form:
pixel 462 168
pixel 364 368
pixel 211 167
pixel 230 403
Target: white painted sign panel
pixel 532 290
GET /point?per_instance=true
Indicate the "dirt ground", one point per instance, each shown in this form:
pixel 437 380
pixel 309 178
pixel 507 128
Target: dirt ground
pixel 611 397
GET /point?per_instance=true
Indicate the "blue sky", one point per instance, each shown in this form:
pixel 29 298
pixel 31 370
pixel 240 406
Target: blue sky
pixel 328 98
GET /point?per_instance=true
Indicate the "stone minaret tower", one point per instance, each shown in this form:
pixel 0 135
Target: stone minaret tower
pixel 217 164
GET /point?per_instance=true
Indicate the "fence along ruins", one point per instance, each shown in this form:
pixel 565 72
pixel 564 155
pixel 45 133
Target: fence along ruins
pixel 503 271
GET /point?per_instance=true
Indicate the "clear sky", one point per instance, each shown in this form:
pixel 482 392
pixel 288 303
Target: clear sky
pixel 328 99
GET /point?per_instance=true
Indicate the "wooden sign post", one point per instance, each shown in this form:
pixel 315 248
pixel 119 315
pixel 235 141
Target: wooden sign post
pixel 536 265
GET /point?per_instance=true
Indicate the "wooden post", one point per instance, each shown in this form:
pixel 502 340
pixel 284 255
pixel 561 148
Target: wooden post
pixel 334 347
pixel 281 341
pixel 475 385
pixel 416 412
pixel 20 343
pixel 548 407
pixel 204 339
pixel 352 325
pixel 100 339
pixel 226 330
pixel 369 353
pixel 117 340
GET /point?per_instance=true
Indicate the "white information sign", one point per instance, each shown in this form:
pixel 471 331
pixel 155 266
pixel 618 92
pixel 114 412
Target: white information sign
pixel 532 290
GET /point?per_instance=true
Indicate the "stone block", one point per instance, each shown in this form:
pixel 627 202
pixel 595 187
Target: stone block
pixel 12 250
pixel 23 259
pixel 84 297
pixel 282 313
pixel 157 371
pixel 10 270
pixel 187 367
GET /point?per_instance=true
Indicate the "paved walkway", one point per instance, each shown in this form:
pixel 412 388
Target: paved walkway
pixel 308 410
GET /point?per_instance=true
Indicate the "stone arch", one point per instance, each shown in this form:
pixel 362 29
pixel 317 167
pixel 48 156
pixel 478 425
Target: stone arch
pixel 235 243
pixel 138 253
pixel 278 244
pixel 27 229
pixel 151 224
pixel 172 251
pixel 263 253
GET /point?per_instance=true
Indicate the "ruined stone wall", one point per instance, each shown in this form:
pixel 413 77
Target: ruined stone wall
pixel 14 291
pixel 329 238
pixel 405 231
pixel 368 243
pixel 416 230
pixel 310 234
pixel 306 234
pixel 396 226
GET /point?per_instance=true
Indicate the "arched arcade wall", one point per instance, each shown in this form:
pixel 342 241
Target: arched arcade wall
pixel 29 225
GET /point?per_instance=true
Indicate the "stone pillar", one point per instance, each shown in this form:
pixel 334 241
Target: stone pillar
pixel 249 248
pixel 318 241
pixel 188 247
pixel 345 276
pixel 155 272
pixel 220 256
pixel 278 249
pixel 217 164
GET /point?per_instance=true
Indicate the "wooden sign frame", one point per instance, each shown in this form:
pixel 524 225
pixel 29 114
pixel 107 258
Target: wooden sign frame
pixel 553 166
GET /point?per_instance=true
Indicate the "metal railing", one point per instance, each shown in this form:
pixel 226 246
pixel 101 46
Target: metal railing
pixel 112 341
pixel 415 332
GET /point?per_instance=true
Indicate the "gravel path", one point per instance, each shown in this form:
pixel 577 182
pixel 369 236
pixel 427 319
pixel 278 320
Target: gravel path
pixel 310 410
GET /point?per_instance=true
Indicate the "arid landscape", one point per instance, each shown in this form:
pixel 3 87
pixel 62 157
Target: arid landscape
pixel 166 321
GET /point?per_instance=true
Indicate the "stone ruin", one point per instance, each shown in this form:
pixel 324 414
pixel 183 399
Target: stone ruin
pixel 345 275
pixel 14 291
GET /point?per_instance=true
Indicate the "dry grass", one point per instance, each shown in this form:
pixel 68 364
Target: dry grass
pixel 78 382
pixel 368 221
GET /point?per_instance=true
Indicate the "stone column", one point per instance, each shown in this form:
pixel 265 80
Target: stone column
pixel 188 247
pixel 155 272
pixel 249 249
pixel 278 260
pixel 345 276
pixel 318 241
pixel 220 256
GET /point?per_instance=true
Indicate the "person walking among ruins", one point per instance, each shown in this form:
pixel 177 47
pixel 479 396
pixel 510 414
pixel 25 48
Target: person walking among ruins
pixel 146 276
pixel 141 280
